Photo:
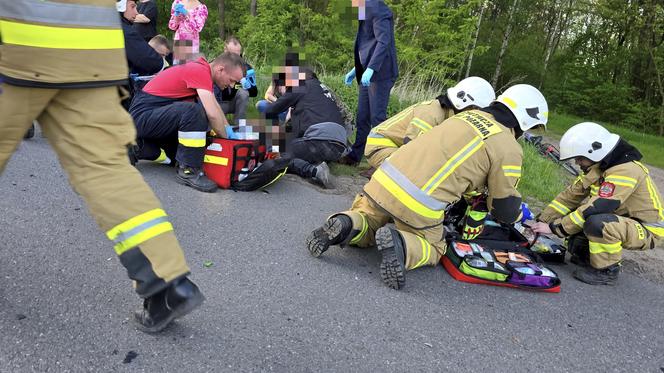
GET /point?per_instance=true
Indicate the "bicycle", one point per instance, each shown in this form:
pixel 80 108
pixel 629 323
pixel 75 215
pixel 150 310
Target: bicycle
pixel 549 151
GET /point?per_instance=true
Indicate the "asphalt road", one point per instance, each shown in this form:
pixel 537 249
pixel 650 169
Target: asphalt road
pixel 65 300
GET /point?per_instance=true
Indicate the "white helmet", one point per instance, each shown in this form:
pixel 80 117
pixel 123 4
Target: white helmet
pixel 527 104
pixel 471 91
pixel 588 140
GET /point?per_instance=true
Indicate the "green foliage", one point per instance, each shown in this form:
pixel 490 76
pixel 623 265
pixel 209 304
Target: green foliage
pixel 542 179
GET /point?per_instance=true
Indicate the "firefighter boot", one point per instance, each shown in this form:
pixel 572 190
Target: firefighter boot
pixel 593 276
pixel 392 249
pixel 335 231
pixel 579 248
pixel 195 178
pixel 177 300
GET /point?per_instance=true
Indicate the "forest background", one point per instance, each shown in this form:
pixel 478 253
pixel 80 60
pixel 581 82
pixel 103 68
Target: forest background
pixel 594 60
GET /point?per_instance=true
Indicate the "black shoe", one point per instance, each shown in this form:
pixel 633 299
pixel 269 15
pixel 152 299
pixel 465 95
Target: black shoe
pixel 132 153
pixel 392 266
pixel 31 132
pixel 335 231
pixel 604 276
pixel 195 178
pixel 175 301
pixel 322 176
pixel 579 249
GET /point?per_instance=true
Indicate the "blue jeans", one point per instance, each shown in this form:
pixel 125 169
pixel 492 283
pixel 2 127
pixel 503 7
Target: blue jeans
pixel 371 111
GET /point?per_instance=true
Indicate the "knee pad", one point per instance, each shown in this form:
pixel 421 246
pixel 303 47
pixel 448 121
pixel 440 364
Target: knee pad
pixel 594 224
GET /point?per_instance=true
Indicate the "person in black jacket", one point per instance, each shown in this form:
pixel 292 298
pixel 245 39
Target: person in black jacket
pixel 316 121
pixel 234 100
pixel 141 58
pixel 145 22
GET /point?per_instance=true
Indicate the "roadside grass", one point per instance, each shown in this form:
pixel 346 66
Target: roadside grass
pixel 650 145
pixel 541 179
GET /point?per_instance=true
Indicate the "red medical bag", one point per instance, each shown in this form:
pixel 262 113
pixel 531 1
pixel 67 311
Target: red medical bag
pixel 226 161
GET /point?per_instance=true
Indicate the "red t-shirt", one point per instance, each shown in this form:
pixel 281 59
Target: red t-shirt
pixel 181 81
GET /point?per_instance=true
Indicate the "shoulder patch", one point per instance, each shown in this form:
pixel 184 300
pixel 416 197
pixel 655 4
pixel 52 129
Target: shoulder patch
pixel 606 189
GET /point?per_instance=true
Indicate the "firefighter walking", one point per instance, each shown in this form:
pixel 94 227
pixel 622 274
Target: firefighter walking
pixel 471 151
pixel 613 205
pixel 68 82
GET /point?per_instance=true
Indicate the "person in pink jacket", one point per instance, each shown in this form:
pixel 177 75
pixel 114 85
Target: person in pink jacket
pixel 187 20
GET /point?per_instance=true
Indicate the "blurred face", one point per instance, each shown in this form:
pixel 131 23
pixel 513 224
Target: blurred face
pixel 131 12
pixel 233 48
pixel 226 77
pixel 583 163
pixel 160 48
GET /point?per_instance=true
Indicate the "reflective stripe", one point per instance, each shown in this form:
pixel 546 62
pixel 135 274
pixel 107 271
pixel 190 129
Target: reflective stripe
pixel 609 248
pixel 59 37
pixel 621 180
pixel 365 228
pixel 452 164
pixel 509 102
pixel 422 125
pixel 426 252
pixel 380 140
pixel 654 196
pixel 215 160
pixel 192 139
pixel 513 171
pixel 60 13
pixel 594 190
pixel 139 229
pixel 559 207
pixel 656 228
pixel 395 119
pixel 407 193
pixel 577 218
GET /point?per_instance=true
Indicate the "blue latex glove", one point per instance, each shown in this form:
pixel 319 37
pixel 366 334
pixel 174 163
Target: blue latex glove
pixel 349 77
pixel 366 77
pixel 251 77
pixel 246 84
pixel 180 10
pixel 230 133
pixel 526 214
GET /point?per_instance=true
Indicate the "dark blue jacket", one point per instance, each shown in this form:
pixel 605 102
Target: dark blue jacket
pixel 374 43
pixel 141 58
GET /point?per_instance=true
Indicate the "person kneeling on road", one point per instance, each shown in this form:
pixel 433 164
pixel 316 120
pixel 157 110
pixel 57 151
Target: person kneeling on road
pixel 613 205
pixel 167 116
pixel 316 123
pixel 473 150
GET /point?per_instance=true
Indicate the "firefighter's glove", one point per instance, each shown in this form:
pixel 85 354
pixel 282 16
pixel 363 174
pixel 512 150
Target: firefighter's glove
pixel 349 77
pixel 366 77
pixel 526 214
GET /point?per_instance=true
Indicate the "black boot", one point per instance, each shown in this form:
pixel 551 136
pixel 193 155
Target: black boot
pixel 132 153
pixel 195 178
pixel 393 251
pixel 604 276
pixel 335 231
pixel 579 250
pixel 175 301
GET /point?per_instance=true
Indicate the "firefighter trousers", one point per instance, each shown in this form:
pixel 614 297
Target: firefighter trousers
pixel 90 131
pixel 422 246
pixel 609 234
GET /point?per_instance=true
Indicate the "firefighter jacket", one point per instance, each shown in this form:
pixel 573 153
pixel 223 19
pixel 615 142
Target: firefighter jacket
pixel 409 123
pixel 62 33
pixel 470 151
pixel 625 189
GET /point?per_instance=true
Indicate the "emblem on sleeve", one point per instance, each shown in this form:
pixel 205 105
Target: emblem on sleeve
pixel 606 189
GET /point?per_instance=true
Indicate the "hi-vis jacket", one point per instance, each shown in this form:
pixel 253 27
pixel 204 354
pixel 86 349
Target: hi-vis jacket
pixel 625 189
pixel 387 137
pixel 470 151
pixel 63 33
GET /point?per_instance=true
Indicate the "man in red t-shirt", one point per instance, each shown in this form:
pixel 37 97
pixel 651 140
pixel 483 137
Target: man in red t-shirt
pixel 175 110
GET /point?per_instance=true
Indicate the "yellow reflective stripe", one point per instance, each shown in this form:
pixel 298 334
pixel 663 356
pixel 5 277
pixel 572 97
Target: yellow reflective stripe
pixel 376 141
pixel 621 180
pixel 406 199
pixel 511 103
pixel 162 156
pixel 156 216
pixel 609 248
pixel 395 119
pixel 422 125
pixel 426 252
pixel 577 218
pixel 594 190
pixel 40 36
pixel 658 231
pixel 215 160
pixel 452 164
pixel 192 143
pixel 559 207
pixel 359 236
pixel 654 196
pixel 513 171
pixel 134 222
pixel 145 235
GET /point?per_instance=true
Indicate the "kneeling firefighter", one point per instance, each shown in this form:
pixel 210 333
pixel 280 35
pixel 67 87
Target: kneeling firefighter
pixel 613 205
pixel 471 151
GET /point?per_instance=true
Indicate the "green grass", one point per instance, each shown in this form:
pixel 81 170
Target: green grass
pixel 541 179
pixel 651 146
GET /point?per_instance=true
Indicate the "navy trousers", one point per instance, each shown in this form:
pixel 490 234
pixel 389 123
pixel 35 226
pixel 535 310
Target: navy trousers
pixel 371 111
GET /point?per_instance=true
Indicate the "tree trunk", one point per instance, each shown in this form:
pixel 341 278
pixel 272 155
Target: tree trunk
pixel 253 7
pixel 552 41
pixel 477 34
pixel 503 47
pixel 222 18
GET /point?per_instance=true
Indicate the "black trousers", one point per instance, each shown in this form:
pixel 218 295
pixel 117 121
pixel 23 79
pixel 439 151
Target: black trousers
pixel 167 124
pixel 307 154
